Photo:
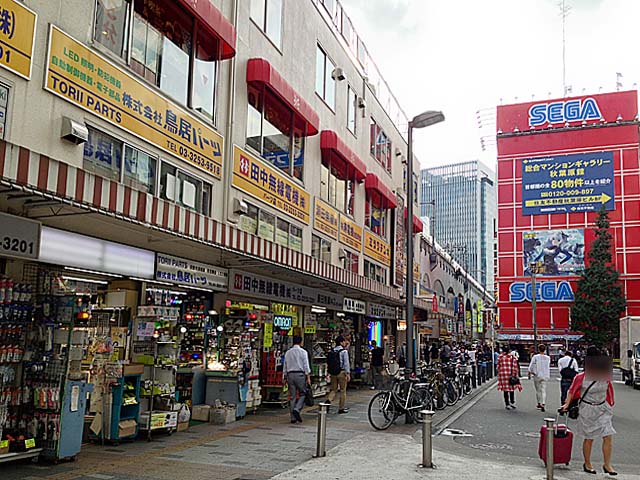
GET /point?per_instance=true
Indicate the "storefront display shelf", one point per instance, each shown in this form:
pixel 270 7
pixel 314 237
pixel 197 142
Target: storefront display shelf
pixel 13 456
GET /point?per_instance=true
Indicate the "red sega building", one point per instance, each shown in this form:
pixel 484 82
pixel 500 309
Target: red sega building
pixel 543 200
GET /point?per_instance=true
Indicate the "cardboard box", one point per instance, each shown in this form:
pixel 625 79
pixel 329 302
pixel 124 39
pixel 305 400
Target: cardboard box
pixel 231 414
pixel 182 426
pixel 133 369
pixel 127 428
pixel 200 413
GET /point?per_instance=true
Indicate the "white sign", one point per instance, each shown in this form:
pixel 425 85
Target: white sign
pixel 146 329
pixel 352 305
pixel 19 237
pixel 190 274
pixel 378 310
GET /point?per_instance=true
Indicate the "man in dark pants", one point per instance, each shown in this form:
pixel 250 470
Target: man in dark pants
pixel 297 373
pixel 377 362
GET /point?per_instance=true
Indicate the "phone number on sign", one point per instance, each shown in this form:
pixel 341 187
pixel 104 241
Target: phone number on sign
pixel 568 193
pixel 196 159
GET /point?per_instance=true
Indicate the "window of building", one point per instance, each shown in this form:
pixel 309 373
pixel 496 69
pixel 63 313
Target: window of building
pixel 103 155
pixel 337 186
pixel 380 145
pixel 274 132
pixel 295 238
pixel 351 262
pixel 320 248
pixel 282 232
pixel 266 225
pixel 375 272
pixel 249 221
pixel 325 84
pixel 164 48
pixel 139 170
pixel 267 14
pixel 375 215
pixel 352 101
pixel 184 189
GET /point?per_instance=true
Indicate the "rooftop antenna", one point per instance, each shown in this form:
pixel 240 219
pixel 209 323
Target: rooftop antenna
pixel 564 13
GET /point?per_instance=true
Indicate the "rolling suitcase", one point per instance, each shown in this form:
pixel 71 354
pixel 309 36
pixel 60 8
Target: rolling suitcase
pixel 562 443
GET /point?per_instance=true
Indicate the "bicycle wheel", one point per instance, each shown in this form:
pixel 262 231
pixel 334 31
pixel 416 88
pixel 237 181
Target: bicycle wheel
pixel 467 384
pixel 382 411
pixel 452 393
pixel 419 400
pixel 440 397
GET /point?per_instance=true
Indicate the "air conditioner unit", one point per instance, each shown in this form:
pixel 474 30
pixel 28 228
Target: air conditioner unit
pixel 240 207
pixel 74 132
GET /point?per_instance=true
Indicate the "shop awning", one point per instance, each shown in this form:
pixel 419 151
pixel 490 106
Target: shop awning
pixel 262 72
pixel 212 19
pixel 331 144
pixel 418 226
pixel 373 183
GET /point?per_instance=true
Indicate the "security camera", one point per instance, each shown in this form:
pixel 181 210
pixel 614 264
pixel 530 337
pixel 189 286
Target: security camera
pixel 338 74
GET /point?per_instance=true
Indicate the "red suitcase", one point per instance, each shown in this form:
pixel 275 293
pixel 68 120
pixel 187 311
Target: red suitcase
pixel 562 443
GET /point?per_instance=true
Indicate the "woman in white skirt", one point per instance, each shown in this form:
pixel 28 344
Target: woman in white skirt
pixel 595 390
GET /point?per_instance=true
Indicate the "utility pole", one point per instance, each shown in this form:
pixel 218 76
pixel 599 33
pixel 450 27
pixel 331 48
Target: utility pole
pixel 532 269
pixel 564 13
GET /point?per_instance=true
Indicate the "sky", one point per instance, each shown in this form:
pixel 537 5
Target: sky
pixel 461 56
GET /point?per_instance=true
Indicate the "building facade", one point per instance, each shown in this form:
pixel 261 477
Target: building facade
pixel 460 202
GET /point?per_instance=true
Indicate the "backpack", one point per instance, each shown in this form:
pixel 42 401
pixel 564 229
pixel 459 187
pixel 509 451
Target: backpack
pixel 568 373
pixel 333 362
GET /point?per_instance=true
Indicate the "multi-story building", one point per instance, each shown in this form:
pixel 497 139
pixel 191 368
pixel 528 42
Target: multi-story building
pixel 460 202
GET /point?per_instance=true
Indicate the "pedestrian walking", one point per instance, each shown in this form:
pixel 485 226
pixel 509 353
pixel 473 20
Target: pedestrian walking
pixel 297 374
pixel 472 361
pixel 540 370
pixel 445 352
pixel 496 355
pixel 377 361
pixel 340 371
pixel 479 356
pixel 434 353
pixel 594 390
pixel 568 367
pixel 515 353
pixel 508 378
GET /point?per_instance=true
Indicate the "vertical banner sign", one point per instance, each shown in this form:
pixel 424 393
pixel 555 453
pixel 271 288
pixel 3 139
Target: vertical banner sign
pixel 581 182
pixel 86 79
pixel 325 219
pixel 17 37
pixel 399 252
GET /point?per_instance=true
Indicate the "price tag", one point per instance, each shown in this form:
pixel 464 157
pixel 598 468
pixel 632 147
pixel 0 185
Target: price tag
pixel 310 330
pixel 30 443
pixel 4 443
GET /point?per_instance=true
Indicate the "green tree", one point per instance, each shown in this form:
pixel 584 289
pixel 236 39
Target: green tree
pixel 600 298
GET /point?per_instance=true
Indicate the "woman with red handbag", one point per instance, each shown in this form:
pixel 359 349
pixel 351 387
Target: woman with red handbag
pixel 508 377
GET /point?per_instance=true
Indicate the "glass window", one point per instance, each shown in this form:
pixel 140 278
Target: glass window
pixel 325 84
pixel 112 26
pixel 139 170
pixel 204 75
pixel 267 14
pixel 375 272
pixel 375 214
pixel 352 100
pixel 282 232
pixel 266 225
pixel 103 155
pixel 324 182
pixel 337 187
pixel 249 221
pixel 184 189
pixel 320 249
pixel 295 238
pixel 351 262
pixel 351 196
pixel 380 145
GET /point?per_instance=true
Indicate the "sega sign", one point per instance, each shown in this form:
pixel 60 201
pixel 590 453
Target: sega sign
pixel 545 292
pixel 564 111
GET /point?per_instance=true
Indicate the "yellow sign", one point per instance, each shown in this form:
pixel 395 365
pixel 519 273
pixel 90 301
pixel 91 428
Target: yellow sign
pixel 86 79
pixel 416 272
pixel 325 219
pixel 377 248
pixel 350 233
pixel 310 330
pixel 30 443
pixel 257 178
pixel 4 443
pixel 286 309
pixel 267 342
pixel 544 202
pixel 17 37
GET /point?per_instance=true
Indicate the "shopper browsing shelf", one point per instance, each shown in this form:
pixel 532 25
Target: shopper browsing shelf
pixel 297 373
pixel 339 369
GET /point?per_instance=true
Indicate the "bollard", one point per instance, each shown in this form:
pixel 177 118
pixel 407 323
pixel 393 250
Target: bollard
pixel 427 453
pixel 321 434
pixel 550 438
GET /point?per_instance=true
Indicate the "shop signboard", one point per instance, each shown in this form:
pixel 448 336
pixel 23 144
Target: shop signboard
pixel 284 322
pixel 554 252
pixel 352 305
pixel 19 237
pixel 257 286
pixel 480 316
pixel 402 325
pixel 310 330
pixel 545 292
pixel 83 77
pixel 580 182
pixel 434 303
pixel 325 219
pixel 260 180
pixel 188 273
pixel 17 37
pixel 377 248
pixel 399 253
pixel 350 233
pixel 377 310
pixel 267 340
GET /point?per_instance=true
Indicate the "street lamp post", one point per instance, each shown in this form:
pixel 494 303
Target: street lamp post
pixel 532 269
pixel 423 120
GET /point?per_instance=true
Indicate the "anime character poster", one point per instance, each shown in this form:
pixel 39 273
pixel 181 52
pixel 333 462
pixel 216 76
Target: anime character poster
pixel 554 252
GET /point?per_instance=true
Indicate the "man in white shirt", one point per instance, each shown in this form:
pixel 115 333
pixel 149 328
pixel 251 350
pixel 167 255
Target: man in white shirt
pixel 540 369
pixel 568 367
pixel 297 373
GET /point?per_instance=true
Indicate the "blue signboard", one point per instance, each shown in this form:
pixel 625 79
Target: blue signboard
pixel 581 182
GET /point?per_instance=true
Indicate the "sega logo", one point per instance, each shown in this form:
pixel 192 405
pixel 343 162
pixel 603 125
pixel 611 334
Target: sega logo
pixel 567 111
pixel 545 292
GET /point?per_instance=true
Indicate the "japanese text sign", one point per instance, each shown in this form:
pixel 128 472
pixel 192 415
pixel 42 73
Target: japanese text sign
pixel 379 310
pixel 17 35
pixel 257 178
pixel 84 78
pixel 377 248
pixel 257 286
pixel 325 219
pixel 354 306
pixel 350 233
pixel 181 271
pixel 581 182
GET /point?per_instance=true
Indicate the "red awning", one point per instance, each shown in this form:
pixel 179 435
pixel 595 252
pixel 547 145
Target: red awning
pixel 329 142
pixel 418 226
pixel 212 19
pixel 261 71
pixel 372 182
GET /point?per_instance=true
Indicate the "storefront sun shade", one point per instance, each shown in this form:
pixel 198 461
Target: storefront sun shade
pixel 373 183
pixel 330 144
pixel 261 72
pixel 216 24
pixel 418 226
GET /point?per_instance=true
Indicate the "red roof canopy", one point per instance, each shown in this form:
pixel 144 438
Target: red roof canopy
pixel 262 72
pixel 212 19
pixel 418 226
pixel 330 143
pixel 372 182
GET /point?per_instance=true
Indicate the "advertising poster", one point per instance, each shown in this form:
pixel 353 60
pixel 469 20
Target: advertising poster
pixel 554 252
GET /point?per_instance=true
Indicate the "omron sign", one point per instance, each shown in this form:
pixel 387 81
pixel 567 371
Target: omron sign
pixel 561 112
pixel 545 292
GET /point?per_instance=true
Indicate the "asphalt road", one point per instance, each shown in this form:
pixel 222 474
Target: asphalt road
pixel 512 436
